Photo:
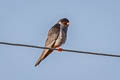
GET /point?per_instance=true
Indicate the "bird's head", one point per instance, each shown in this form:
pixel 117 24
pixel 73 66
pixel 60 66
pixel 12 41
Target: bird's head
pixel 64 21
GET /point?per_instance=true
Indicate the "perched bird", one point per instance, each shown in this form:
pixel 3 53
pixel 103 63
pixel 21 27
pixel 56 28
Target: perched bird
pixel 56 37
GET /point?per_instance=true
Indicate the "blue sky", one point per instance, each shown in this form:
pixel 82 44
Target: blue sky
pixel 94 26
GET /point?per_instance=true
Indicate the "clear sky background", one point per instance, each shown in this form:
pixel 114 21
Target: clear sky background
pixel 94 26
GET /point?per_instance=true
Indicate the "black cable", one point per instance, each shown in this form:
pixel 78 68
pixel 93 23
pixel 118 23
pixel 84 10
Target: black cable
pixel 67 50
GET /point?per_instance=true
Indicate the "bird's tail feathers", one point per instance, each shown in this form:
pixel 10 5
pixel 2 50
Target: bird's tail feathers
pixel 44 54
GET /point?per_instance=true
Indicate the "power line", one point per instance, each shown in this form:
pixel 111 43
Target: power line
pixel 67 50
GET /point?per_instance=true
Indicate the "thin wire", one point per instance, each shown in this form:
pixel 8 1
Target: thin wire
pixel 67 50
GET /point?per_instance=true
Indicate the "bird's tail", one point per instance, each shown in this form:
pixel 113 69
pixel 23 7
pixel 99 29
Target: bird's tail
pixel 44 54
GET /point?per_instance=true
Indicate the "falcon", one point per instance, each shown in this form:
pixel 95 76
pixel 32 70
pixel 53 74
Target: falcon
pixel 56 37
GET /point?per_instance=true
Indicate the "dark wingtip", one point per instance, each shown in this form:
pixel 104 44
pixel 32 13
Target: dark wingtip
pixel 37 64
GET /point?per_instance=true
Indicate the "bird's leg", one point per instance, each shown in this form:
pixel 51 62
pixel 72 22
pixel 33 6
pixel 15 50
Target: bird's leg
pixel 59 49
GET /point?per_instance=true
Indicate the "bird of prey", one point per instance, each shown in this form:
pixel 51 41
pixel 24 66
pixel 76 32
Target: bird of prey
pixel 56 37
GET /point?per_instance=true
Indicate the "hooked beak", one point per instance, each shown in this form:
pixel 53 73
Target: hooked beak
pixel 67 23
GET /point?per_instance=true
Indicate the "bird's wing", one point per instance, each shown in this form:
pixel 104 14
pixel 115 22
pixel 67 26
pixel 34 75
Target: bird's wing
pixel 52 35
pixel 51 39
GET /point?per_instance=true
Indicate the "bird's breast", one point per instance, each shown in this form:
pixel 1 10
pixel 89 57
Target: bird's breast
pixel 61 38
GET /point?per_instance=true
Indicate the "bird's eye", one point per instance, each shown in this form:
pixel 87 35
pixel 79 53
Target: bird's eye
pixel 59 22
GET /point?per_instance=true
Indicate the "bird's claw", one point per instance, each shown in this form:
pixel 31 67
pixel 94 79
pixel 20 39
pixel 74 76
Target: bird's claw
pixel 59 49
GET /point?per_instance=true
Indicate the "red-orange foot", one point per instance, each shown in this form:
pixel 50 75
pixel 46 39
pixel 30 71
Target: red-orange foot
pixel 59 49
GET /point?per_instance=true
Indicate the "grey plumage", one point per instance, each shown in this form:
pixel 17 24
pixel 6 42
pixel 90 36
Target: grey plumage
pixel 56 37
